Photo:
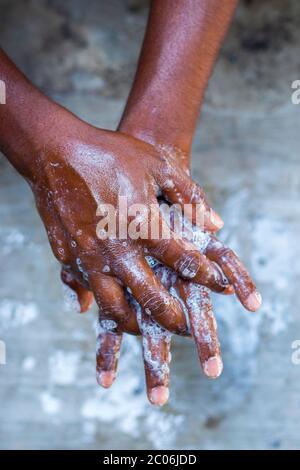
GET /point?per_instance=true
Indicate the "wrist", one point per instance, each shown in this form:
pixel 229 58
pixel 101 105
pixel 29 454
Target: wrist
pixel 169 122
pixel 157 136
pixel 25 118
pixel 28 124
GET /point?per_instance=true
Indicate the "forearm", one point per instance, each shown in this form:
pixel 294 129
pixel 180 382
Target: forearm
pixel 180 47
pixel 25 119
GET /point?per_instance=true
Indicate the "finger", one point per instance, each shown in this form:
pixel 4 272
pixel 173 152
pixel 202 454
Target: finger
pixel 112 302
pixel 236 273
pixel 179 188
pixel 156 345
pixel 203 326
pixel 168 278
pixel 148 291
pixel 156 353
pixel 107 352
pixel 83 296
pixel 57 236
pixel 184 257
pixel 62 250
pixel 193 238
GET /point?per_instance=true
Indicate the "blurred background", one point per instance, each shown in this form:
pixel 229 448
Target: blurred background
pixel 246 155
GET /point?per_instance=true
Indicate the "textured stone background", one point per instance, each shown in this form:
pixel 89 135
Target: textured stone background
pixel 246 155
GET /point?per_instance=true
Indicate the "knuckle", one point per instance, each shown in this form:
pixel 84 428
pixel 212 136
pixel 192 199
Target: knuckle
pixel 188 265
pixel 225 252
pixel 155 302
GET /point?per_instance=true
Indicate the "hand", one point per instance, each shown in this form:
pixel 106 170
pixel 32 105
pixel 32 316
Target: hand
pixel 115 317
pixel 156 341
pixel 86 167
pixel 162 109
pixel 71 167
pixel 62 211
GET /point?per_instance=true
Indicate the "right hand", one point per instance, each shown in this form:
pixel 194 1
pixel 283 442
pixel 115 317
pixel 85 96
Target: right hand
pixel 81 167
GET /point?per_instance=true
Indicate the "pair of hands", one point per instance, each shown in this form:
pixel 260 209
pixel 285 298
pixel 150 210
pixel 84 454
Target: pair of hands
pixel 80 168
pixel 73 167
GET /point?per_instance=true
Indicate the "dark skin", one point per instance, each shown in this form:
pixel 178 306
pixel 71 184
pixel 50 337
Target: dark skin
pixel 162 109
pixel 72 166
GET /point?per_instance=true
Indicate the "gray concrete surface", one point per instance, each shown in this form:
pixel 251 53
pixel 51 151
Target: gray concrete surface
pixel 246 155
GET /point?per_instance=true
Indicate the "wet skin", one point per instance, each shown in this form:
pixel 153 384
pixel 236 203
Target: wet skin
pixel 162 109
pixel 72 167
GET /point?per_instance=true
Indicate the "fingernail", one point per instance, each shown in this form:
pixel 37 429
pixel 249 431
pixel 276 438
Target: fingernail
pixel 221 280
pixel 216 219
pixel 213 367
pixel 86 302
pixel 190 267
pixel 106 378
pixel 254 301
pixel 229 290
pixel 159 395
